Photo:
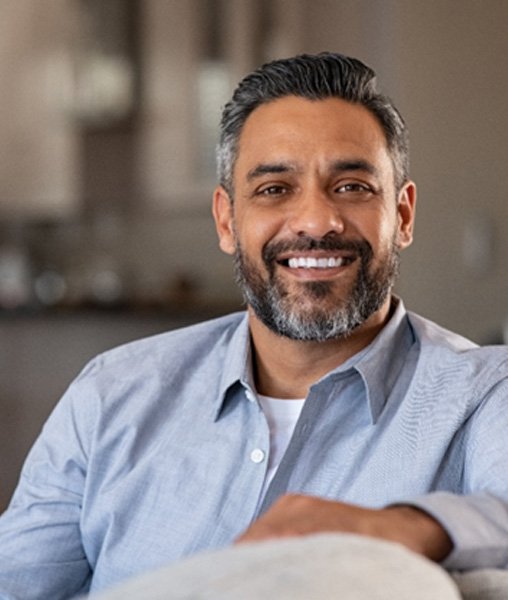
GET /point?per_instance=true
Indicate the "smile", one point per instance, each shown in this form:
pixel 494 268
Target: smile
pixel 314 262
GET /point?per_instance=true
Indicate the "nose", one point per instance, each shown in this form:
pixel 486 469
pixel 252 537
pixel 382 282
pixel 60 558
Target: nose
pixel 315 215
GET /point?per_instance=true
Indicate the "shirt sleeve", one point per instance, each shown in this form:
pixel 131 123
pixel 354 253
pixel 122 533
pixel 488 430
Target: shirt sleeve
pixel 477 525
pixel 477 521
pixel 41 553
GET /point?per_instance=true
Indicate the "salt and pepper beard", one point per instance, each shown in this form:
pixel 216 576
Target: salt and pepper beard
pixel 283 311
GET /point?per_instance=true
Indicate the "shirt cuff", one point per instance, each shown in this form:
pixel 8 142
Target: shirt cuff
pixel 477 525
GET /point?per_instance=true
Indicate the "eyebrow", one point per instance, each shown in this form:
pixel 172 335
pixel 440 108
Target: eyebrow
pixel 341 166
pixel 269 169
pixel 336 166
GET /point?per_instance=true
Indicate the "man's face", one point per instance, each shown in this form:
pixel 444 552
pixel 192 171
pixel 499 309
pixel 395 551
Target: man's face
pixel 316 224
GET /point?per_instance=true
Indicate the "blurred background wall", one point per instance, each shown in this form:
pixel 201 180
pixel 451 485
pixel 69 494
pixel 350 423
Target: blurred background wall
pixel 108 121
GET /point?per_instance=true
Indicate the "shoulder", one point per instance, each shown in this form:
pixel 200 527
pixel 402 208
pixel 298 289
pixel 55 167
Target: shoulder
pixel 172 347
pixel 430 333
pixel 445 351
pixel 161 364
pixel 148 378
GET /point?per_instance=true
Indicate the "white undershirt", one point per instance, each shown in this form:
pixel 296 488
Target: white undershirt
pixel 282 415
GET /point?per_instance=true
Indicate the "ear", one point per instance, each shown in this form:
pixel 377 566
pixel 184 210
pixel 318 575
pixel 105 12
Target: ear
pixel 223 215
pixel 406 205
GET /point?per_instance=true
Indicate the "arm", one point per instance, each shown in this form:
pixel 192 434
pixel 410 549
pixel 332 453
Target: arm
pixel 41 555
pixel 296 515
pixel 477 521
pixel 474 523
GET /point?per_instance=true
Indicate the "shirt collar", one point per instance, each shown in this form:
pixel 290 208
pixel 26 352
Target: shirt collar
pixel 237 364
pixel 379 364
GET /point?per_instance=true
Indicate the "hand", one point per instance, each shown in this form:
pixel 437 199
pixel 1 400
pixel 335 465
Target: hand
pixel 297 515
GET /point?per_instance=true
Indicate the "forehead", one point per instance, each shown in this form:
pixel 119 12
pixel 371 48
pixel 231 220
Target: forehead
pixel 312 132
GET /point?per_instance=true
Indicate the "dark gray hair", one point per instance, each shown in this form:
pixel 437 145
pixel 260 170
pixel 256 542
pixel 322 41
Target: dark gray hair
pixel 315 77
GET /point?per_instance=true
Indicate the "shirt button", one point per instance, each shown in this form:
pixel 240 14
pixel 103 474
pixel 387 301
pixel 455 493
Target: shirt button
pixel 250 396
pixel 257 455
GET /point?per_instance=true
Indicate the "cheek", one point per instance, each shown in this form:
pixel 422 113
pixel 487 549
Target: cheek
pixel 385 240
pixel 380 230
pixel 255 229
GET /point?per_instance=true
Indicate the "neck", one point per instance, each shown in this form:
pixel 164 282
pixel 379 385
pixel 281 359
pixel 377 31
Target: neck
pixel 286 368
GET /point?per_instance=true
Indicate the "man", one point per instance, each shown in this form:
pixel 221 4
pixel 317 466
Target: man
pixel 326 407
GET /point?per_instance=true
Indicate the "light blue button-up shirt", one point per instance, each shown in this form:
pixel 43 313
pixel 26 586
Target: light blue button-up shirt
pixel 159 450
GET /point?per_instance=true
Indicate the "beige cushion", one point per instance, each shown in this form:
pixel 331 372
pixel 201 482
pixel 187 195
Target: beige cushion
pixel 319 567
pixel 483 584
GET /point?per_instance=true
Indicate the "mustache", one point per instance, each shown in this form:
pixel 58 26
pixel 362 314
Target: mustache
pixel 331 242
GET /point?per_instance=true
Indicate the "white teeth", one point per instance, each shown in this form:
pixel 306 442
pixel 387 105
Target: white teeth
pixel 314 263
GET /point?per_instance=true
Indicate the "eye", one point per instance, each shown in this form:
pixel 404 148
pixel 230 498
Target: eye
pixel 353 187
pixel 272 190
